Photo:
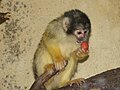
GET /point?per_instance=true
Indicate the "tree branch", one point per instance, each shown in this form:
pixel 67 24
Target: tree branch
pixel 4 17
pixel 109 80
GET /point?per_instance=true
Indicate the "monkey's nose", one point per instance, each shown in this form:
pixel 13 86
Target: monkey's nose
pixel 82 35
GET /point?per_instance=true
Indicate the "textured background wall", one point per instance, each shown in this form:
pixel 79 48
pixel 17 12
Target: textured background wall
pixel 20 36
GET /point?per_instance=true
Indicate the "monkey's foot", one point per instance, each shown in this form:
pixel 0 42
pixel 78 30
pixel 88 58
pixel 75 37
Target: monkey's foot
pixel 50 68
pixel 79 81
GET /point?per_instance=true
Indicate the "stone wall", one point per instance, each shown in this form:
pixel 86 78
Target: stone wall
pixel 20 36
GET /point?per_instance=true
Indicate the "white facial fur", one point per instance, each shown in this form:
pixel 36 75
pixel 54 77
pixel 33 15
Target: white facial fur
pixel 81 33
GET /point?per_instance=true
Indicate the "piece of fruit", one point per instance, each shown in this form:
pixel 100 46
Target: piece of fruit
pixel 85 46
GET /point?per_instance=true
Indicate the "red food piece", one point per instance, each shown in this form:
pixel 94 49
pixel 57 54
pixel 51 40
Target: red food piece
pixel 84 45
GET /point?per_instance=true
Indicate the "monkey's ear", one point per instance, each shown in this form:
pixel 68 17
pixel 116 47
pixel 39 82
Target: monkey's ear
pixel 66 23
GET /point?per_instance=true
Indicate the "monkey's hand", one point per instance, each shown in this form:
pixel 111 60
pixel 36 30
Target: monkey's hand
pixel 60 64
pixel 58 59
pixel 49 68
pixel 79 54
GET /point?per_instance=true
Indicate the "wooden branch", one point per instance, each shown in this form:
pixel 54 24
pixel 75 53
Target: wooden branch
pixel 39 83
pixel 109 80
pixel 4 17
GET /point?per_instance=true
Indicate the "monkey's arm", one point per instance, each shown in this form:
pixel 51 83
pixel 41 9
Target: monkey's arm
pixel 55 52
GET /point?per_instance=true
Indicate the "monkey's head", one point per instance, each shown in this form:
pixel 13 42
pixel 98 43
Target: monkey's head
pixel 77 23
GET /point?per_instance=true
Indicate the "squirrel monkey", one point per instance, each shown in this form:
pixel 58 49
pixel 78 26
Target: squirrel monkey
pixel 60 47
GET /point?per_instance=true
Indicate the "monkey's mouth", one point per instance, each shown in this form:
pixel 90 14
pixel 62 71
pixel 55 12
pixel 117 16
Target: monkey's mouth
pixel 78 41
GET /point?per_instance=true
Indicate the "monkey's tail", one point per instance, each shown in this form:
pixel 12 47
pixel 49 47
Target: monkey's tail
pixel 34 68
pixel 35 71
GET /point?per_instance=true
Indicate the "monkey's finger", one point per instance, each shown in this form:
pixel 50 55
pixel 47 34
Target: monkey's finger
pixel 56 66
pixel 87 51
pixel 51 71
pixel 60 66
pixel 79 51
pixel 63 64
pixel 78 54
pixel 83 50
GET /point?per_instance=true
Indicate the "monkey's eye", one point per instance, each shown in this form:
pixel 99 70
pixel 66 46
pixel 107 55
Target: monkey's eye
pixel 85 31
pixel 79 32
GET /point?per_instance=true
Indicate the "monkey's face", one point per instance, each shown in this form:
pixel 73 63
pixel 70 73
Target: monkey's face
pixel 78 24
pixel 82 34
